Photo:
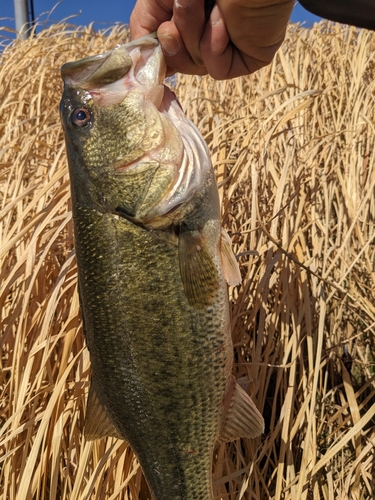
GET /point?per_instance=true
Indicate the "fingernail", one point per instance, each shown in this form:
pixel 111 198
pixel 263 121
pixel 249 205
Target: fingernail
pixel 169 44
pixel 182 3
pixel 215 15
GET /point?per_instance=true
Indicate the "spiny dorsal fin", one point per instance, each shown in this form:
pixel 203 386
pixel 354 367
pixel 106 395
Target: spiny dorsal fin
pixel 243 418
pixel 198 271
pixel 231 269
pixel 98 423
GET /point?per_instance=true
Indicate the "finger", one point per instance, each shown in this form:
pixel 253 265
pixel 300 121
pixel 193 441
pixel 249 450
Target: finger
pixel 256 27
pixel 221 57
pixel 215 46
pixel 176 55
pixel 242 45
pixel 190 19
pixel 147 16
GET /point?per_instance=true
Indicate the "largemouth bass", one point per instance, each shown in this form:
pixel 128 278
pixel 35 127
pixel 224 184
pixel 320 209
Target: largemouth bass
pixel 153 263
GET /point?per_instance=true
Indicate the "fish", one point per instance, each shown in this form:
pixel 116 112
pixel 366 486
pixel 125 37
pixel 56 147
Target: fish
pixel 153 267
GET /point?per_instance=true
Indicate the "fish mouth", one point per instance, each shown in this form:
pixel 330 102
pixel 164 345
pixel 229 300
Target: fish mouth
pixel 111 76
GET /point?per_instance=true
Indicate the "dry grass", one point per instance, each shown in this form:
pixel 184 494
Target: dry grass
pixel 294 150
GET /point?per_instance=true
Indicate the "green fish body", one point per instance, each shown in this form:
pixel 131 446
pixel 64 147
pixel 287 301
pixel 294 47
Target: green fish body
pixel 153 263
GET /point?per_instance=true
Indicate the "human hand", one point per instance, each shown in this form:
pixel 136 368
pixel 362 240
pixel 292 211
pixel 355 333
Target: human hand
pixel 236 38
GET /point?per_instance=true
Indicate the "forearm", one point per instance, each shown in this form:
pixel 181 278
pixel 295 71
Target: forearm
pixel 356 12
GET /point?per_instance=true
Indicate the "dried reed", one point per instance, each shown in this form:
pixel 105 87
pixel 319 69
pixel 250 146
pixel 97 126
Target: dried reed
pixel 293 147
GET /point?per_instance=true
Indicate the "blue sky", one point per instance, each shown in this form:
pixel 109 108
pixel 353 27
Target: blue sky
pixel 104 12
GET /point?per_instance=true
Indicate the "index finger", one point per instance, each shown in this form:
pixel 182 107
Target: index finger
pixel 148 15
pixel 190 18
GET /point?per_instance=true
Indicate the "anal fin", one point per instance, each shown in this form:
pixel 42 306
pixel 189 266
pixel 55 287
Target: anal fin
pixel 97 422
pixel 243 418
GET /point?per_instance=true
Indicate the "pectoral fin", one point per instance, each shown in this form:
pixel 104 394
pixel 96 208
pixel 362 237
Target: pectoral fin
pixel 98 423
pixel 198 271
pixel 243 418
pixel 231 269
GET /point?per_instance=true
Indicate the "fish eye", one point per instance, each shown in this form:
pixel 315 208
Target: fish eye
pixel 80 117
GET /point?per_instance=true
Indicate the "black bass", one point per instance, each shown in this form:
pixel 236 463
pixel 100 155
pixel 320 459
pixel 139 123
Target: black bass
pixel 153 263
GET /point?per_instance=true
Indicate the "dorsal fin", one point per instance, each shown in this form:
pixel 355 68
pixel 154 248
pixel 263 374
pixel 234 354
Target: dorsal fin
pixel 243 418
pixel 98 423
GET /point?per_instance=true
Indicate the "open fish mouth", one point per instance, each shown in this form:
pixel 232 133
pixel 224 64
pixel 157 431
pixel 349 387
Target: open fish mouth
pixel 110 76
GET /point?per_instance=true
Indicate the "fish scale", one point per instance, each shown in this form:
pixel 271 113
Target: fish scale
pixel 124 145
pixel 159 344
pixel 153 263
